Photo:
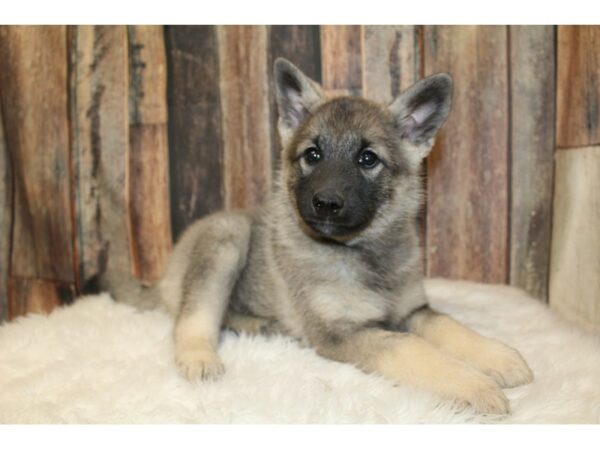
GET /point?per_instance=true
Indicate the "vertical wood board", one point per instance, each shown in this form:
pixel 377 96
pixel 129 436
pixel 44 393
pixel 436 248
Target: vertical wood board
pixel 100 113
pixel 532 91
pixel 391 60
pixel 575 262
pixel 578 86
pixel 341 59
pixel 467 222
pixel 149 153
pixel 245 114
pixel 33 82
pixel 195 145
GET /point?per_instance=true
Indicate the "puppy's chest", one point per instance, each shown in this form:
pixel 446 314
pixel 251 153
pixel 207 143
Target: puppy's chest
pixel 350 293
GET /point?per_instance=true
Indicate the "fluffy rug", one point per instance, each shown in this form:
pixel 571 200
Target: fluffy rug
pixel 100 362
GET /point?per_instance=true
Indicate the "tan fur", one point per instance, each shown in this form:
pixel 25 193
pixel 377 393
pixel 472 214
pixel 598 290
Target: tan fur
pixel 408 359
pixel 195 347
pixel 501 362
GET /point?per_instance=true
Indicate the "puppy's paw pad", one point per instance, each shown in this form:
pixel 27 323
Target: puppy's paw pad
pixel 199 364
pixel 507 367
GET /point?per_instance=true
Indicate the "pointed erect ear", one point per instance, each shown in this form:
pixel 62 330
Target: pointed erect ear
pixel 421 110
pixel 297 97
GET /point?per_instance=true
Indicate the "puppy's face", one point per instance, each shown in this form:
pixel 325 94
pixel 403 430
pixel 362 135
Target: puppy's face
pixel 347 161
pixel 344 161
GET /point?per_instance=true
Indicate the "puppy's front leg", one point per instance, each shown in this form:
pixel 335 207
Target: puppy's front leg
pixel 219 254
pixel 503 363
pixel 408 359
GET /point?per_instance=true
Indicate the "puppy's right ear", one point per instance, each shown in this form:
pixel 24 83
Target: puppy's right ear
pixel 297 97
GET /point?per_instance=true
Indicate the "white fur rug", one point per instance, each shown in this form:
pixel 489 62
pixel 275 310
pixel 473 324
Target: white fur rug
pixel 100 362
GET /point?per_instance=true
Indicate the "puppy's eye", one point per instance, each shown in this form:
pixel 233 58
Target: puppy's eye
pixel 312 155
pixel 367 159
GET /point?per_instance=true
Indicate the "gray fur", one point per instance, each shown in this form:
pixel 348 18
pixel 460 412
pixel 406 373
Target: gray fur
pixel 345 285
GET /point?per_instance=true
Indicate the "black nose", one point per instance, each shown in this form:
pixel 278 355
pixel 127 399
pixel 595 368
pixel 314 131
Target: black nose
pixel 327 203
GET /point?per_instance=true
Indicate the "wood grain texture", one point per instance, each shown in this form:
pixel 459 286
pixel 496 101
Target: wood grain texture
pixel 575 262
pixel 195 147
pixel 532 88
pixel 245 114
pixel 6 202
pixel 341 59
pixel 391 60
pixel 467 222
pixel 33 81
pixel 147 75
pixel 100 110
pixel 37 296
pixel 149 153
pixel 301 44
pixel 150 212
pixel 578 86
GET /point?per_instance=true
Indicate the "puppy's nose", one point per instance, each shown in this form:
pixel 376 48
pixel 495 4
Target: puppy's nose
pixel 327 203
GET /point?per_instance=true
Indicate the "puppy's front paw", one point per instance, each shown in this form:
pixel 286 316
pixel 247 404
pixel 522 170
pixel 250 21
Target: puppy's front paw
pixel 484 395
pixel 199 363
pixel 505 365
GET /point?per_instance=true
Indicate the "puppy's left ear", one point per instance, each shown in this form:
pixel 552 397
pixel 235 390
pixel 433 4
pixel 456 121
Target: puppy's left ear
pixel 297 97
pixel 422 109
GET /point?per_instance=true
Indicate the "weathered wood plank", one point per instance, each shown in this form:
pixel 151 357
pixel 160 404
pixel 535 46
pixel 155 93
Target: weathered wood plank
pixel 37 296
pixel 6 218
pixel 99 105
pixel 147 74
pixel 245 119
pixel 150 213
pixel 195 147
pixel 392 60
pixel 467 223
pixel 532 87
pixel 301 44
pixel 578 86
pixel 575 261
pixel 341 59
pixel 33 81
pixel 149 154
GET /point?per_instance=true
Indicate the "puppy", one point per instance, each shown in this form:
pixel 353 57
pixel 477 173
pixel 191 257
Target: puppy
pixel 332 258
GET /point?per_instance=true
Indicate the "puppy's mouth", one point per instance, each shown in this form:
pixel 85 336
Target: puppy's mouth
pixel 331 230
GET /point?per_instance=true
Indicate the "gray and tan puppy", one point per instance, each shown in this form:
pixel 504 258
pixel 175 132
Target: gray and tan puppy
pixel 333 257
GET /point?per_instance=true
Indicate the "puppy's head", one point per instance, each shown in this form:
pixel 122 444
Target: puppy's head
pixel 350 164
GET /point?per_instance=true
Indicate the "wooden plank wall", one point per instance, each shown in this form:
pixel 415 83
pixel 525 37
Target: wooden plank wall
pixel 147 128
pixel 33 85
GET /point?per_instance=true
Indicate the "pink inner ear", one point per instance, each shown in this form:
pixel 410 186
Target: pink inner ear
pixel 296 111
pixel 423 112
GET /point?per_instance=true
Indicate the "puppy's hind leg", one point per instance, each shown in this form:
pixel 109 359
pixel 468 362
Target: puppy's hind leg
pixel 252 325
pixel 219 254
